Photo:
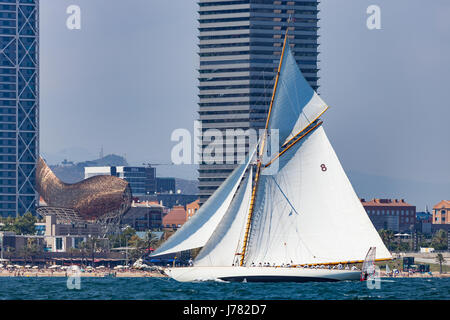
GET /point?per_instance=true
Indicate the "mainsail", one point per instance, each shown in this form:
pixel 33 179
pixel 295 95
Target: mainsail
pixel 196 231
pixel 308 212
pixel 226 240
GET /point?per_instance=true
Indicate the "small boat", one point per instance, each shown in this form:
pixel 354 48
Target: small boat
pixel 289 215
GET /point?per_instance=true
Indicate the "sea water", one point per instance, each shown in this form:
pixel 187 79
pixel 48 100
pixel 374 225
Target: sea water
pixel 167 289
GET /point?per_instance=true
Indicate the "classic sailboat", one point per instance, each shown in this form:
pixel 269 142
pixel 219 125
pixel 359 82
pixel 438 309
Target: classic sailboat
pixel 295 224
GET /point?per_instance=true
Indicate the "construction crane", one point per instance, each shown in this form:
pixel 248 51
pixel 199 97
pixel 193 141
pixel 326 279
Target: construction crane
pixel 149 165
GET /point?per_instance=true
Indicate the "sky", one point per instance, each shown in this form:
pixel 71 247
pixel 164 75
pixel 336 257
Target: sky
pixel 127 79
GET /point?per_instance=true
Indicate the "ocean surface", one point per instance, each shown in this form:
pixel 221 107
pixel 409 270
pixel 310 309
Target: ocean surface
pixel 19 288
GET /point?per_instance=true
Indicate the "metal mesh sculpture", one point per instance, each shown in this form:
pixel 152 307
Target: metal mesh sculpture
pixel 99 198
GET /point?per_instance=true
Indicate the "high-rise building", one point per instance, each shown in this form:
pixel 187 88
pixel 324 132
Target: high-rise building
pixel 19 105
pixel 240 47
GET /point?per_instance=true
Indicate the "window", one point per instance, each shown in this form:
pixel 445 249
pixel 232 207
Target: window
pixel 58 243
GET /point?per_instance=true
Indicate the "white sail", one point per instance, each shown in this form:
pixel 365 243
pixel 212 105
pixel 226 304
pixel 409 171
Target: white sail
pixel 368 267
pixel 308 212
pixel 296 104
pixel 227 239
pixel 196 231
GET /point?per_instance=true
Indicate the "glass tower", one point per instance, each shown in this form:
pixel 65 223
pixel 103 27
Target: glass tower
pixel 240 47
pixel 19 105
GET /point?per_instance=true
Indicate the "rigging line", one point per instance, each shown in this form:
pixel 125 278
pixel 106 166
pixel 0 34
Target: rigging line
pixel 292 144
pixel 242 229
pixel 274 92
pixel 296 135
pixel 261 153
pixel 284 195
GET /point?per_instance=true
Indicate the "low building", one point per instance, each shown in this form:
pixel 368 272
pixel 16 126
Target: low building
pixel 10 240
pixel 192 208
pixel 441 212
pixel 60 237
pixel 168 200
pixel 391 214
pixel 175 218
pixel 143 216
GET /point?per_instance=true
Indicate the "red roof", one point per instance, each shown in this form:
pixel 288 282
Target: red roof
pixel 386 203
pixel 443 204
pixel 176 216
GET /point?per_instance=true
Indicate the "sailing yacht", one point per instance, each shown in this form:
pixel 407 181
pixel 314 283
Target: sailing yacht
pixel 295 224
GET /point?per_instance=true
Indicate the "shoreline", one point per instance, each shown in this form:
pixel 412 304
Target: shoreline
pixel 151 274
pixel 62 274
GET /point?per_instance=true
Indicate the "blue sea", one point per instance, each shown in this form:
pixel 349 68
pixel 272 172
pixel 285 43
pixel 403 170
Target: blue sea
pixel 167 289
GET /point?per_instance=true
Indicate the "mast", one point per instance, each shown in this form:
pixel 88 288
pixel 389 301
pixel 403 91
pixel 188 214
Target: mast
pixel 261 152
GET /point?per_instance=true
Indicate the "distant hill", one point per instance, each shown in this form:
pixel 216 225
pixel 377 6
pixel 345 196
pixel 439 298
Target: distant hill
pixel 74 172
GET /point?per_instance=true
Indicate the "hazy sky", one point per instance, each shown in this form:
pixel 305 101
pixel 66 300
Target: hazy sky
pixel 127 79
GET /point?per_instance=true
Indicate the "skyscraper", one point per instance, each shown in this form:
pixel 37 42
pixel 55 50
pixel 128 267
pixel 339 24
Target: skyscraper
pixel 19 105
pixel 240 47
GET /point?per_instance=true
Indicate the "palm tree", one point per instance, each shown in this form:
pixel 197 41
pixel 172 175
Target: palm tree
pixel 439 241
pixel 387 236
pixel 141 246
pixel 440 259
pixel 31 250
pixel 89 247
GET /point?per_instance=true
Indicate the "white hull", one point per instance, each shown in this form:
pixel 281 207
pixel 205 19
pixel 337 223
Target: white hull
pixel 259 274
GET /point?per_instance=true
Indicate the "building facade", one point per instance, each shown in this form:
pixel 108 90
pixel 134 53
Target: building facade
pixel 165 185
pixel 192 208
pixel 240 44
pixel 19 105
pixel 144 216
pixel 176 217
pixel 142 180
pixel 441 212
pixel 391 214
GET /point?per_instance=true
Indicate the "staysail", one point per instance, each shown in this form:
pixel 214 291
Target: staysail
pixel 196 231
pixel 308 212
pixel 296 104
pixel 226 240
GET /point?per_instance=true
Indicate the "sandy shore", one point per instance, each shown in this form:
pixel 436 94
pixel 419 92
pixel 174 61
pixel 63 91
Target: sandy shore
pixel 416 275
pixel 95 274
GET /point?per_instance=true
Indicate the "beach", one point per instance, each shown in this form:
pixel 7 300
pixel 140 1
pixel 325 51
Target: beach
pixel 95 274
